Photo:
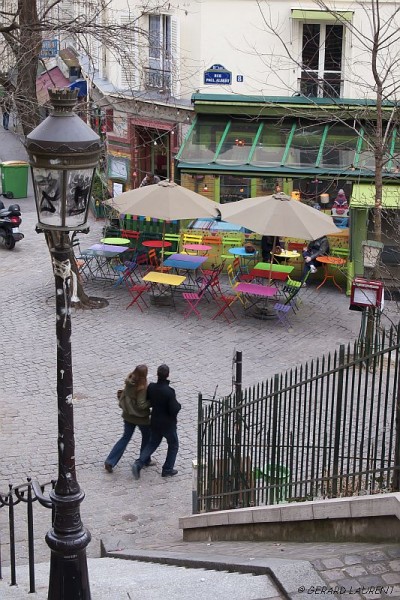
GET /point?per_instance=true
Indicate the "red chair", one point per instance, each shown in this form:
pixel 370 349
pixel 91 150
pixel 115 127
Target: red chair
pixel 136 291
pixel 133 236
pixel 225 302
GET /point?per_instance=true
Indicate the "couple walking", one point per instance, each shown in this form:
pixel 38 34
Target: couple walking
pixel 154 409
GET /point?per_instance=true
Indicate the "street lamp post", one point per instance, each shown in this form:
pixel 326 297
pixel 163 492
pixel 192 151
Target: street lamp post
pixel 63 153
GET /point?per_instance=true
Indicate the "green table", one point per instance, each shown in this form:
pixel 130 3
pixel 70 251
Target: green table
pixel 113 241
pixel 275 268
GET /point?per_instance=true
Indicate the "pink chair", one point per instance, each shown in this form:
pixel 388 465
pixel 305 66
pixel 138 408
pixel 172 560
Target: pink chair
pixel 193 299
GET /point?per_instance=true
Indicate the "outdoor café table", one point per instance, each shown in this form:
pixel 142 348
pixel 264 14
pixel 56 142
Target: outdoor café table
pixel 244 256
pixel 330 260
pixel 114 241
pixel 257 296
pixel 163 283
pixel 188 258
pixel 156 244
pixel 287 254
pixel 97 260
pixel 277 268
pixel 273 276
pixel 197 248
pixel 189 267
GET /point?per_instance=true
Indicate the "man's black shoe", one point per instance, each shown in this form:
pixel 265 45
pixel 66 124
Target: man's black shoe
pixel 170 473
pixel 135 471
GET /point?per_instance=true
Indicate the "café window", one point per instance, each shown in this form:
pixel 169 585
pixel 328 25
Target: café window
pixel 234 188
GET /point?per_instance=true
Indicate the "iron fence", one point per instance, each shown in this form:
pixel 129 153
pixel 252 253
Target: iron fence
pixel 26 494
pixel 324 430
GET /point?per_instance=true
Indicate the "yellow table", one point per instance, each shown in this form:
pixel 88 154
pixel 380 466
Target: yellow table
pixel 286 254
pixel 115 241
pixel 162 282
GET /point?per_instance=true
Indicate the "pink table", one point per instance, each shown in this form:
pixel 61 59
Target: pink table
pixel 257 294
pixel 197 248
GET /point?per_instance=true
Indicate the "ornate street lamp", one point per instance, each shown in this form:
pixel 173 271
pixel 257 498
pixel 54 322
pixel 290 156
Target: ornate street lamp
pixel 63 153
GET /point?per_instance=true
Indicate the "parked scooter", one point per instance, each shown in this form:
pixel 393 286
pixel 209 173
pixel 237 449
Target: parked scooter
pixel 10 220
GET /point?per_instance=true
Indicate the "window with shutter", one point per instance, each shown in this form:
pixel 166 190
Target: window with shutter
pixel 158 74
pixel 129 54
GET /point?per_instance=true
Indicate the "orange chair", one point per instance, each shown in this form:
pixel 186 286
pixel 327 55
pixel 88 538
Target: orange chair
pixel 154 261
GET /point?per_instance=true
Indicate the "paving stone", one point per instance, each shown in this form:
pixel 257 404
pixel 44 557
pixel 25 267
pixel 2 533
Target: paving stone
pixel 332 575
pixel 355 571
pixel 351 559
pixel 377 568
pixel 394 565
pixel 391 578
pixel 332 563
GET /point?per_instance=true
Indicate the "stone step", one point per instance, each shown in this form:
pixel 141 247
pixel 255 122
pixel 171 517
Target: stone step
pixel 117 579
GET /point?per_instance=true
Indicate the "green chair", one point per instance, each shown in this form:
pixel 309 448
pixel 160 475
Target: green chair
pixel 174 238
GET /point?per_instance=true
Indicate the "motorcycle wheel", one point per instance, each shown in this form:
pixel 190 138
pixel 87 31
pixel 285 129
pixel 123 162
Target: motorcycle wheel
pixel 9 242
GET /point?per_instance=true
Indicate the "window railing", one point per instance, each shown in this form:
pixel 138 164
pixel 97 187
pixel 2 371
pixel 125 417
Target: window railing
pixel 157 79
pixel 310 85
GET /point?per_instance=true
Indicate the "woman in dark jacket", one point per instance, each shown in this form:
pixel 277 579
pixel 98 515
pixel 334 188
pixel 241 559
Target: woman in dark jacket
pixel 135 412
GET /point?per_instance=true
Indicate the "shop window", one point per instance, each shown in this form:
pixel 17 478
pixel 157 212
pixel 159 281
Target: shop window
pixel 305 146
pixel 201 145
pixel 237 143
pixel 271 144
pixel 322 50
pixel 234 188
pixel 340 147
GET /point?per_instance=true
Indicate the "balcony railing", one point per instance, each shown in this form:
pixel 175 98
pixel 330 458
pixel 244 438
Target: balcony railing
pixel 313 87
pixel 157 79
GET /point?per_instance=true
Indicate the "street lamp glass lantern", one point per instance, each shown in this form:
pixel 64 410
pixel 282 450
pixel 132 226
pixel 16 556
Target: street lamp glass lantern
pixel 63 153
pixel 371 253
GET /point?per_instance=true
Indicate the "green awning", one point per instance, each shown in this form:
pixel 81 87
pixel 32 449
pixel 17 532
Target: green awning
pixel 321 16
pixel 363 196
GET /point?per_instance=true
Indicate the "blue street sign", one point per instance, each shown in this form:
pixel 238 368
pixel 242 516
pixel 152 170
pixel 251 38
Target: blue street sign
pixel 49 49
pixel 217 74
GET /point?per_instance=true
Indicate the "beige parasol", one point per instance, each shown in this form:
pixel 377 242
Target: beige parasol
pixel 279 215
pixel 164 200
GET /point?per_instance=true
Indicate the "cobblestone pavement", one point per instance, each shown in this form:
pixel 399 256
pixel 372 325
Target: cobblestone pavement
pixel 107 343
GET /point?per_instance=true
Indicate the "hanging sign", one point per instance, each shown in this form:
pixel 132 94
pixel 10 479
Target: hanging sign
pixel 49 49
pixel 217 74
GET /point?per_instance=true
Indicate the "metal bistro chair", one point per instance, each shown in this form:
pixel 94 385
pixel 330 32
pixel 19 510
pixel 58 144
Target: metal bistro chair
pixel 155 263
pixel 174 238
pixel 136 291
pixel 132 236
pixel 191 238
pixel 193 299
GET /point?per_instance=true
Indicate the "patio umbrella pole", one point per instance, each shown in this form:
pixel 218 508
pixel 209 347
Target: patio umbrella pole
pixel 271 260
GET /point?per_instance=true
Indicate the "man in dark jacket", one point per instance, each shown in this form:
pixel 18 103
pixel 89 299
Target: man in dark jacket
pixel 319 247
pixel 164 410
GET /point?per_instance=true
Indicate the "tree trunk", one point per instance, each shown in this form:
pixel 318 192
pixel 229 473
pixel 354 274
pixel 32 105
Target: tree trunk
pixel 28 50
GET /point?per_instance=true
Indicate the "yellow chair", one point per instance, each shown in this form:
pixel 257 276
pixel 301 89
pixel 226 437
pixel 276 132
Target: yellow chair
pixel 191 238
pixel 233 283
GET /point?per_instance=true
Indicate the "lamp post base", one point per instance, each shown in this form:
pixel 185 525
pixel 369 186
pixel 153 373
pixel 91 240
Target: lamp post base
pixel 67 541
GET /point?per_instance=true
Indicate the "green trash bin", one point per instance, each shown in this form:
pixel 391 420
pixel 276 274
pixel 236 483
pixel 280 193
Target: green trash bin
pixel 14 179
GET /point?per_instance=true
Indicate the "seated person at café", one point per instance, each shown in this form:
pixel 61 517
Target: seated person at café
pixel 267 244
pixel 315 248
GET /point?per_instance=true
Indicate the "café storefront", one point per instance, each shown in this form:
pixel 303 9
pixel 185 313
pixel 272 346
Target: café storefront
pixel 246 146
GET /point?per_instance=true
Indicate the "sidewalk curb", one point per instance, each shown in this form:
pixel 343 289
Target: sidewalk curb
pixel 289 576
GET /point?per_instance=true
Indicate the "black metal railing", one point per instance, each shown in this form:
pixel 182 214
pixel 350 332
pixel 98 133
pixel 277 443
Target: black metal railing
pixel 324 430
pixel 159 79
pixel 310 85
pixel 25 494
